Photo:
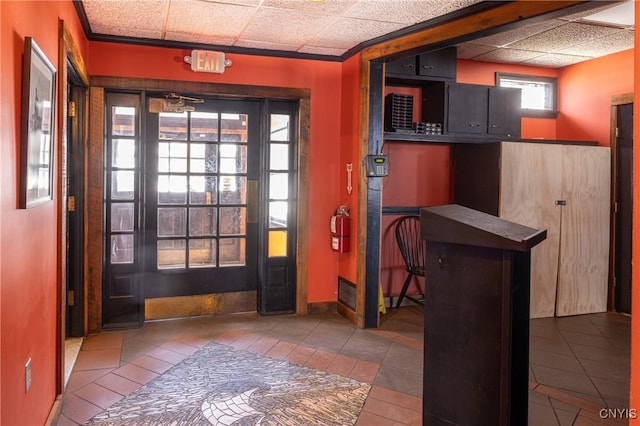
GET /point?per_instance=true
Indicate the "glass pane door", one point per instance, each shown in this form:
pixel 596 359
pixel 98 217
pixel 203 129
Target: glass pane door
pixel 199 164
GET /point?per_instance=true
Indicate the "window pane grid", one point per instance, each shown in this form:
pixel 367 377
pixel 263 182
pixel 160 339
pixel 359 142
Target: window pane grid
pixel 206 175
pixel 278 185
pixel 121 185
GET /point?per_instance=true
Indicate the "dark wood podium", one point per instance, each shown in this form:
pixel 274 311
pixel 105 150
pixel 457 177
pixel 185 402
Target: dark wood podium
pixel 476 328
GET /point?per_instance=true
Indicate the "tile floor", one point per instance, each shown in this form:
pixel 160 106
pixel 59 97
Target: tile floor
pixel 578 365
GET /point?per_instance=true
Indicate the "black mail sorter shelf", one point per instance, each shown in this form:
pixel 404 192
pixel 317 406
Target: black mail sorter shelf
pixel 476 324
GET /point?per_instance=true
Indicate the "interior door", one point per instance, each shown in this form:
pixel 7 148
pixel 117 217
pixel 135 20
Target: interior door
pixel 624 203
pixel 584 264
pixel 531 182
pixel 201 215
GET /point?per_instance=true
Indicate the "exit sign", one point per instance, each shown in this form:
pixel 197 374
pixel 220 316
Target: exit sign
pixel 207 61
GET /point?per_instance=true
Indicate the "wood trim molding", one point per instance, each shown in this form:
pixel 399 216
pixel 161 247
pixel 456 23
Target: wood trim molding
pixel 625 98
pixel 73 53
pixel 93 199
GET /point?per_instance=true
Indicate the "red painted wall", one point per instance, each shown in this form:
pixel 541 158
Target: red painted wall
pixel 324 80
pixel 350 154
pixel 28 238
pixel 584 95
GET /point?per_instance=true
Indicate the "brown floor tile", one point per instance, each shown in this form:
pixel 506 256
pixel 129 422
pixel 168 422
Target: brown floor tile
pixel 371 419
pixel 79 379
pixel 97 359
pixel 98 395
pixel 245 340
pixel 166 355
pixel 262 345
pixel 300 355
pixel 107 340
pixel 390 411
pixel 403 400
pixel 154 364
pixel 136 373
pixel 181 348
pixel 228 337
pixel 364 371
pixel 342 365
pixel 320 360
pixel 281 350
pixel 118 384
pixel 78 410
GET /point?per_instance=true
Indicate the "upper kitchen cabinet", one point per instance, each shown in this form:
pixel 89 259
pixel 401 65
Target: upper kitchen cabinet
pixel 438 64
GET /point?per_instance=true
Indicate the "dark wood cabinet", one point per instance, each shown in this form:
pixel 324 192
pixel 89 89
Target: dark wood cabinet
pixel 437 64
pixel 505 112
pixel 468 106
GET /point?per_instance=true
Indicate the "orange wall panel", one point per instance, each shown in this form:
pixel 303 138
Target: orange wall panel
pixel 326 169
pixel 584 95
pixel 350 154
pixel 28 238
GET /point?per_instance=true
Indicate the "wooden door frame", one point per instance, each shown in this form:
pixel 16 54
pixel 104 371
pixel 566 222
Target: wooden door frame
pixel 616 101
pixel 95 159
pixel 68 52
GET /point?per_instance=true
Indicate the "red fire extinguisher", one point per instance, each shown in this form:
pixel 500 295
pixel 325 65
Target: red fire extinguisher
pixel 341 230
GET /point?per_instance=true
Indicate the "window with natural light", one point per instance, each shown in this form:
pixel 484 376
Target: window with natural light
pixel 538 93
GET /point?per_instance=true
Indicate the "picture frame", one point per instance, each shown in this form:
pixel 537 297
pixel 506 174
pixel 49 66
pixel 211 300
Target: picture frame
pixel 37 127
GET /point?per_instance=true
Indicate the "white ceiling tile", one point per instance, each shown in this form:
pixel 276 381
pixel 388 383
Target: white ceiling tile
pixel 562 37
pixel 471 50
pixel 328 51
pixel 125 15
pixel 349 32
pixel 508 56
pixel 325 7
pixel 555 60
pixel 616 42
pixel 200 38
pixel 284 26
pixel 204 17
pixel 511 36
pixel 252 44
pixel 128 32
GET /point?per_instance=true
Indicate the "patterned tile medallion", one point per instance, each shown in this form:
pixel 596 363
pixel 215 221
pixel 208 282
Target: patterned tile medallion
pixel 222 385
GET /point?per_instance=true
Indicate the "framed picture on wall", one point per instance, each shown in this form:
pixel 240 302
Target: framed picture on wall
pixel 37 127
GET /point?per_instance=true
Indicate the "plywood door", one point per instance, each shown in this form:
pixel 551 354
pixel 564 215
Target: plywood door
pixel 584 261
pixel 530 183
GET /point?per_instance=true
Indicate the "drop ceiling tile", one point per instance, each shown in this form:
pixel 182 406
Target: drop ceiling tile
pixel 508 56
pixel 616 42
pixel 128 32
pixel 555 60
pixel 284 26
pixel 561 37
pixel 580 15
pixel 406 12
pixel 505 38
pixel 328 51
pixel 348 32
pixel 124 15
pixel 471 50
pixel 205 17
pixel 326 7
pixel 199 38
pixel 253 44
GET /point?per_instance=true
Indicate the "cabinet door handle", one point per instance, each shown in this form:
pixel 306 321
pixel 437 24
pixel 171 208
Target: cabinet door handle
pixel 496 126
pixel 407 65
pixel 428 67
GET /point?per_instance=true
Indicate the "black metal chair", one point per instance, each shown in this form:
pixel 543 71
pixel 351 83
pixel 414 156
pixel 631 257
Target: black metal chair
pixel 411 248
